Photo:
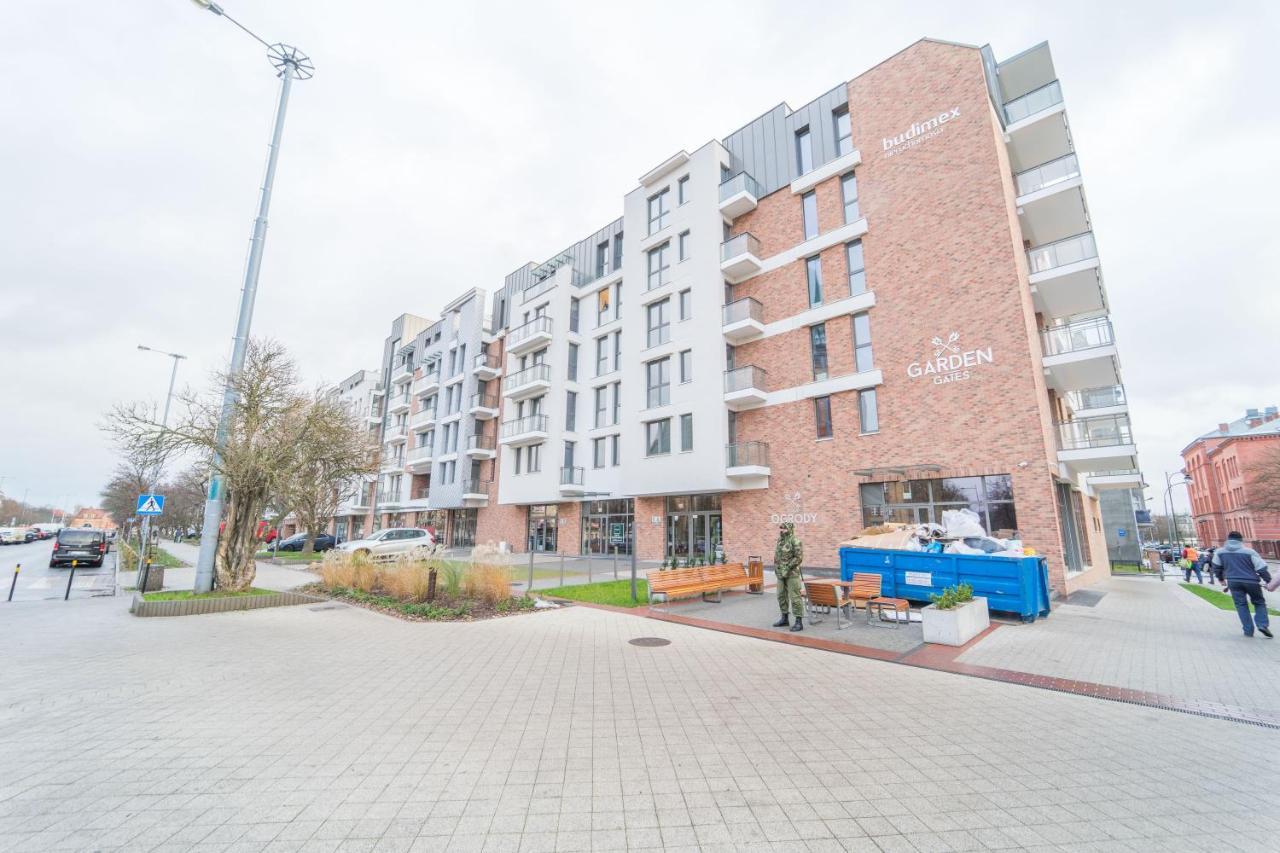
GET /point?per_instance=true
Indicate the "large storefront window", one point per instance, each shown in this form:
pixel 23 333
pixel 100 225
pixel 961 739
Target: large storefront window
pixel 694 527
pixel 542 527
pixel 462 533
pixel 435 520
pixel 923 501
pixel 607 526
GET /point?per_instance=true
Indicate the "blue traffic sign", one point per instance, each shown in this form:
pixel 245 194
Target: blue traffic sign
pixel 150 504
pixel 1122 533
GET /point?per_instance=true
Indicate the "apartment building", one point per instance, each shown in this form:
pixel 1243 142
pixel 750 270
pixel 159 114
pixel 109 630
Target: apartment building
pixel 1222 466
pixel 362 395
pixel 875 307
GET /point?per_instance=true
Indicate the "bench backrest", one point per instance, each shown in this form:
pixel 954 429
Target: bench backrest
pixel 866 586
pixel 664 579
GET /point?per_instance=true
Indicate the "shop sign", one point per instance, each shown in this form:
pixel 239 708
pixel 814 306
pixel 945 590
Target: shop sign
pixel 795 513
pixel 919 132
pixel 917 578
pixel 617 533
pixel 950 362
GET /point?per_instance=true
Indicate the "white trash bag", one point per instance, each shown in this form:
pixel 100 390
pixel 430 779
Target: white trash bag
pixel 961 523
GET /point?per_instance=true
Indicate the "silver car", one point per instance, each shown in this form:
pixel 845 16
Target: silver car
pixel 390 543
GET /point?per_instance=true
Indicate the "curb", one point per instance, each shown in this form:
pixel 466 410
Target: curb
pixel 198 606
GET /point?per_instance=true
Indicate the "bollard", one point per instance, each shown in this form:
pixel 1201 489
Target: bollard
pixel 146 576
pixel 529 589
pixel 634 597
pixel 615 562
pixel 562 569
pixel 588 568
pixel 71 577
pixel 16 569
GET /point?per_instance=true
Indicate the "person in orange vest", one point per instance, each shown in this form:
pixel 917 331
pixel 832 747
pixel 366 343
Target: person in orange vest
pixel 1191 563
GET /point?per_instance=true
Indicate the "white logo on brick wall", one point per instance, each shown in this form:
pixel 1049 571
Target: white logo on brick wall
pixel 919 132
pixel 951 362
pixel 795 513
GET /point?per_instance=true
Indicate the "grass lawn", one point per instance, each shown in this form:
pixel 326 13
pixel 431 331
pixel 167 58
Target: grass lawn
pixel 616 593
pixel 290 556
pixel 184 594
pixel 1221 600
pixel 1128 569
pixel 128 555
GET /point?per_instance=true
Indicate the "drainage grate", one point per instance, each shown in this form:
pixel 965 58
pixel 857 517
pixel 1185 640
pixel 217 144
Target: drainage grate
pixel 649 641
pixel 1084 598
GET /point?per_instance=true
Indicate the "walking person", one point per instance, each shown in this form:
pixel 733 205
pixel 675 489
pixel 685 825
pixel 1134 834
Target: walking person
pixel 787 558
pixel 1191 563
pixel 1243 570
pixel 1206 565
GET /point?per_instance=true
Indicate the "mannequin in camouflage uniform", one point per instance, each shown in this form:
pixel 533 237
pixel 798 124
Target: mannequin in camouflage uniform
pixel 787 558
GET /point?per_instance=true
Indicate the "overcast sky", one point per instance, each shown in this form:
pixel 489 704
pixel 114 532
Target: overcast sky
pixel 440 146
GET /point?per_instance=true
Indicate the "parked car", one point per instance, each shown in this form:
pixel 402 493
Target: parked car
pixel 390 543
pixel 30 535
pixel 10 536
pixel 296 543
pixel 84 544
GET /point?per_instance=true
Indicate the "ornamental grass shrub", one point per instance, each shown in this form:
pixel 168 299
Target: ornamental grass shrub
pixel 488 578
pixel 340 570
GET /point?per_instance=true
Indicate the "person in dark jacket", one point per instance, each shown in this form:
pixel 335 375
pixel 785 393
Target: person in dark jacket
pixel 1243 570
pixel 1206 565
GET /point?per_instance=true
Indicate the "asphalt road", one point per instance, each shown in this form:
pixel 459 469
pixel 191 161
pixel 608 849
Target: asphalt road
pixel 37 581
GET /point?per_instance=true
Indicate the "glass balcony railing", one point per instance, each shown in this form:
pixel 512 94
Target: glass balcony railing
pixel 1096 398
pixel 571 476
pixel 536 373
pixel 742 378
pixel 743 309
pixel 422 451
pixel 741 182
pixel 1074 337
pixel 487 359
pixel 388 496
pixel 1033 102
pixel 538 288
pixel 474 486
pixel 484 401
pixel 743 244
pixel 529 423
pixel 535 326
pixel 1069 250
pixel 747 453
pixel 1047 174
pixel 481 442
pixel 1108 431
pixel 420 494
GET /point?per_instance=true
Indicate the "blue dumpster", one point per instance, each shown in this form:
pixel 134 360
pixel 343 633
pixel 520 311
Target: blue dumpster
pixel 1010 584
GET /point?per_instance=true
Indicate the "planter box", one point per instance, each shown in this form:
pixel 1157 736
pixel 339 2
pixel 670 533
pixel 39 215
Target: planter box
pixel 155 579
pixel 195 606
pixel 956 626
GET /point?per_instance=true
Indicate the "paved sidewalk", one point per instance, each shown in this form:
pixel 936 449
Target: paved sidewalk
pixel 322 728
pixel 269 576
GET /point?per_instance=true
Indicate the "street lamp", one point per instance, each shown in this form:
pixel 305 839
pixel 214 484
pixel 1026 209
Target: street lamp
pixel 1169 483
pixel 164 423
pixel 289 63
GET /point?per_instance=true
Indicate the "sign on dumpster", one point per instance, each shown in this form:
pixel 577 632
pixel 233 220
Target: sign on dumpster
pixel 917 578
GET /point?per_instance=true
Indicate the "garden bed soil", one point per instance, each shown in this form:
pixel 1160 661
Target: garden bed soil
pixel 446 607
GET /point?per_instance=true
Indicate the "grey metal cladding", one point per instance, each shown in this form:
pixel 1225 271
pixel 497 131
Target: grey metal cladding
pixel 765 148
pixel 583 255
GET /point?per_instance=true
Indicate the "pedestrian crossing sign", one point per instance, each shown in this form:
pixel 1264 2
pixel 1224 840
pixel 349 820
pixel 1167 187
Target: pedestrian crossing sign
pixel 150 504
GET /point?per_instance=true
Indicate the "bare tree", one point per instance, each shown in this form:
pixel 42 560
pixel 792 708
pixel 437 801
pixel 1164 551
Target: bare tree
pixel 132 477
pixel 184 497
pixel 1263 482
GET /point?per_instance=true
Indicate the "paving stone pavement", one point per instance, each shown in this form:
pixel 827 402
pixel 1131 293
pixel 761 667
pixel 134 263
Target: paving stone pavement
pixel 339 729
pixel 1146 635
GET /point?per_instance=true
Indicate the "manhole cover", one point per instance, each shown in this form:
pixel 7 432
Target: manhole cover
pixel 649 641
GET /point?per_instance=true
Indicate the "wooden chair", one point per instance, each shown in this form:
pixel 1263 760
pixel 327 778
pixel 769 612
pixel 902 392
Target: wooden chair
pixel 865 588
pixel 900 606
pixel 829 596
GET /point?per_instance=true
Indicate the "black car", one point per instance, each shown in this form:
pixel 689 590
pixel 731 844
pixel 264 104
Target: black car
pixel 324 542
pixel 83 544
pixel 30 536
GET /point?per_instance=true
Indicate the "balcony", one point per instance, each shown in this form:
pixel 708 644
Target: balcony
pixel 1108 400
pixel 388 497
pixel 1121 479
pixel 428 382
pixel 744 388
pixel 531 382
pixel 399 403
pixel 419 497
pixel 1097 444
pixel 1080 355
pixel 486 366
pixel 738 195
pixel 530 336
pixel 484 407
pixel 747 459
pixel 425 416
pixel 481 446
pixel 402 371
pixel 743 320
pixel 1046 176
pixel 538 288
pixel 1033 103
pixel 1057 210
pixel 418 459
pixel 571 481
pixel 395 432
pixel 1066 278
pixel 531 429
pixel 475 490
pixel 740 257
pixel 392 463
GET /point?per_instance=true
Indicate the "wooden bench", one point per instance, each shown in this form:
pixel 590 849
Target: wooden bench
pixel 705 580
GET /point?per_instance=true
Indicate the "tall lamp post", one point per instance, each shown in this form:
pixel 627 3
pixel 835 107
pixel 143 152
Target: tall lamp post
pixel 1169 483
pixel 290 64
pixel 164 423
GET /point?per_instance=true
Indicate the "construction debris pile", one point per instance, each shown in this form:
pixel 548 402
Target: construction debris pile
pixel 961 532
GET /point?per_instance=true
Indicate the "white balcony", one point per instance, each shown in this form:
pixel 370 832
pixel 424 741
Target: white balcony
pixel 1080 355
pixel 571 481
pixel 428 382
pixel 1097 444
pixel 744 388
pixel 419 498
pixel 532 335
pixel 1098 480
pixel 531 382
pixel 426 416
pixel 399 403
pixel 475 492
pixel 484 407
pixel 747 459
pixel 531 429
pixel 486 366
pixel 481 447
pixel 740 257
pixel 418 459
pixel 1051 205
pixel 1033 106
pixel 1097 402
pixel 395 433
pixel 743 320
pixel 402 371
pixel 738 195
pixel 1066 278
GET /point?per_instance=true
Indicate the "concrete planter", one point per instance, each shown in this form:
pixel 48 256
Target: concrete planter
pixel 956 626
pixel 155 579
pixel 196 606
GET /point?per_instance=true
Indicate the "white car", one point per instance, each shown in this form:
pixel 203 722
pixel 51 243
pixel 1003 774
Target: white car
pixel 390 543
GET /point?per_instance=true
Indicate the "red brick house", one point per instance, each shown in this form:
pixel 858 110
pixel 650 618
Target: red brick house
pixel 1220 464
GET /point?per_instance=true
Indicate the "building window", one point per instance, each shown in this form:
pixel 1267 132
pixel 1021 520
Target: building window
pixel 573 315
pixel 615 453
pixel 601 404
pixel 617 251
pixel 658 382
pixel 602 355
pixel 686 304
pixel 597 452
pixel 602 306
pixel 573 362
pixel 809 206
pixel 686 433
pixel 868 415
pixel 571 411
pixel 857 267
pixel 519 458
pixel 686 366
pixel 659 266
pixel 849 194
pixel 617 403
pixel 682 190
pixel 923 501
pixel 659 209
pixel 804 152
pixel 682 246
pixel 617 350
pixel 818 350
pixel 534 460
pixel 862 342
pixel 843 131
pixel 813 272
pixel 822 416
pixel 659 317
pixel 602 259
pixel 657 437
